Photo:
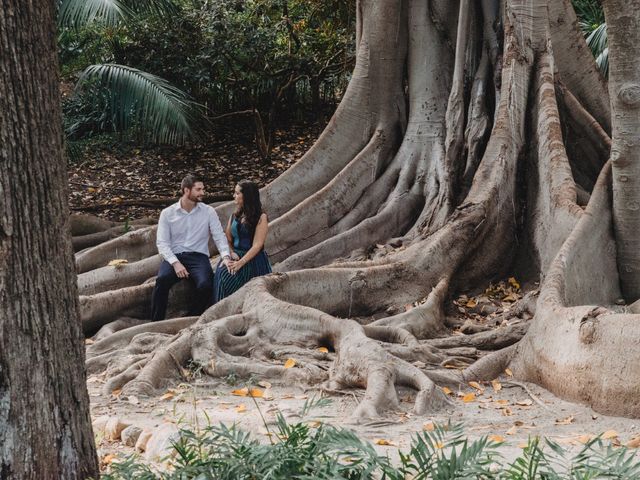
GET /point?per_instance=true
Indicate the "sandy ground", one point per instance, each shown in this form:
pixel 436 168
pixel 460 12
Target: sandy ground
pixel 512 413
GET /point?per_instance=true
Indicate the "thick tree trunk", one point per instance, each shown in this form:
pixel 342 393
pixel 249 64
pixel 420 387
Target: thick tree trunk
pixel 623 28
pixel 45 428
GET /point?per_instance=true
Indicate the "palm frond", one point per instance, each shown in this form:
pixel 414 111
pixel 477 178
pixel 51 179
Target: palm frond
pixel 598 42
pixel 78 13
pixel 143 101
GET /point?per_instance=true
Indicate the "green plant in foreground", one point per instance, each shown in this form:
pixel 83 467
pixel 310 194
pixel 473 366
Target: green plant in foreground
pixel 299 451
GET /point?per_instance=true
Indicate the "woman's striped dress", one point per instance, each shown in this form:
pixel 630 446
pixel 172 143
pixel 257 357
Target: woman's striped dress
pixel 224 283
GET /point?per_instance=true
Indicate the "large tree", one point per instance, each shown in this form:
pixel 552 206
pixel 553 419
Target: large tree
pixel 45 428
pixel 472 142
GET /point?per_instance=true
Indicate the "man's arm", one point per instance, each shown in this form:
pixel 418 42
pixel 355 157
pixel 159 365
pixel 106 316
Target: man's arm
pixel 219 237
pixel 163 239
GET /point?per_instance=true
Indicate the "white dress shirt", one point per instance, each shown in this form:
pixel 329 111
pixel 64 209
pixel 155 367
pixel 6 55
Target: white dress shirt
pixel 180 231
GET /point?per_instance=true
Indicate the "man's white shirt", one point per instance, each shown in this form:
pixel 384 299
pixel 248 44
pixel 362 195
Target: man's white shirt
pixel 181 231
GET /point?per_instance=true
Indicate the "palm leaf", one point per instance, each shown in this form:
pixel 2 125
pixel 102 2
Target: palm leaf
pixel 144 101
pixel 78 13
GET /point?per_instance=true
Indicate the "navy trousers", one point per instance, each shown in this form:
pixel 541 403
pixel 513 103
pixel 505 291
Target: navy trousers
pixel 200 274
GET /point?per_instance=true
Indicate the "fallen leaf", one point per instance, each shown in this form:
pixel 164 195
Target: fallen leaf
pixel 168 395
pixel 314 424
pixel 476 385
pixel 525 403
pixel 469 397
pixel 447 391
pixel 512 431
pixel 382 441
pixel 496 438
pixel 584 438
pixel 634 443
pixel 108 459
pixel 523 445
pixel 428 427
pixel 290 363
pixel 117 262
pixel 241 392
pixel 241 408
pixel 116 393
pixel 510 298
pixel 439 445
pixel 255 393
pixel 508 372
pixel 88 341
pixel 323 349
pixel 264 384
pixel 514 283
pixel 502 402
pixel 91 190
pixel 497 386
pixel 471 303
pixel 507 412
pixel 565 421
pixel 609 434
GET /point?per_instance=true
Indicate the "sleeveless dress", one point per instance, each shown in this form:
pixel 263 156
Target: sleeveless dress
pixel 224 283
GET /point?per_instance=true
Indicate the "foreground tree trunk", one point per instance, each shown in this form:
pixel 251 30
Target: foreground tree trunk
pixel 486 173
pixel 45 428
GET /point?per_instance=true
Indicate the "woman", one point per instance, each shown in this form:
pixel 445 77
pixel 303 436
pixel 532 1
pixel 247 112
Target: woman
pixel 246 232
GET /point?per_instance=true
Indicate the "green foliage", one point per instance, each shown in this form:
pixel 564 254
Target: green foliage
pixel 133 99
pixel 298 451
pixel 80 13
pixel 592 22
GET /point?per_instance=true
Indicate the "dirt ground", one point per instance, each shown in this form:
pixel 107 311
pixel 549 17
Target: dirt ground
pixel 512 414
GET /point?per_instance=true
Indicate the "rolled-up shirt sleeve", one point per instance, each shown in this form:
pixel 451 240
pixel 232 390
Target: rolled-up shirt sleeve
pixel 163 239
pixel 219 237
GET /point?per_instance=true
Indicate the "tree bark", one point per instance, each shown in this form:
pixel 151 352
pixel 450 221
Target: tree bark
pixel 45 427
pixel 623 27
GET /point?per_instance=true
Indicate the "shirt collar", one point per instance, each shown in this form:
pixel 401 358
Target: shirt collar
pixel 178 207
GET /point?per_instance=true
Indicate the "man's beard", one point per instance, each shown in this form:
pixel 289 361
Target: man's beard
pixel 196 198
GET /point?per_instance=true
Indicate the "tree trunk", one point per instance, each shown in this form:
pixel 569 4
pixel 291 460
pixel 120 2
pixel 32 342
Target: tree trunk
pixel 45 428
pixel 623 27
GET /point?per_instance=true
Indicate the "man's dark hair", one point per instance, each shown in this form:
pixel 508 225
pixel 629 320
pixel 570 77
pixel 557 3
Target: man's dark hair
pixel 189 181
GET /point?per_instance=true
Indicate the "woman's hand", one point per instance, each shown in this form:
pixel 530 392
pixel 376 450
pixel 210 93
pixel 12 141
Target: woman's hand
pixel 234 266
pixel 235 256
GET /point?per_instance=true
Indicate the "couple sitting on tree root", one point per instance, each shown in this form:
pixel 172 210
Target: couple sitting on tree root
pixel 184 230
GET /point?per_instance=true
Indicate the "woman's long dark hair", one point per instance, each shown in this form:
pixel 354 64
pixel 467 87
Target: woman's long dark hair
pixel 251 206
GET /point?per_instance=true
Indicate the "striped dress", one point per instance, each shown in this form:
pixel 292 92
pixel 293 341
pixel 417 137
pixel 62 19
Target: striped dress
pixel 224 283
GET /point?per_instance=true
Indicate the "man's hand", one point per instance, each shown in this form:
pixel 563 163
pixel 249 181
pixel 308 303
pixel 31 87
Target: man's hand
pixel 235 256
pixel 181 272
pixel 227 262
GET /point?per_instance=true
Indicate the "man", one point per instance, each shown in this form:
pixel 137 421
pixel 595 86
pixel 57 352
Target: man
pixel 183 236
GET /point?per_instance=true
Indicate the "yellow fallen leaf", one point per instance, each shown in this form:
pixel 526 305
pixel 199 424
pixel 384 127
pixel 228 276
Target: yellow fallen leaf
pixel 314 424
pixel 323 349
pixel 241 392
pixel 290 363
pixel 168 395
pixel 634 443
pixel 471 303
pixel 428 427
pixel 584 438
pixel 523 445
pixel 447 390
pixel 241 408
pixel 496 438
pixel 108 459
pixel 255 393
pixel 508 372
pixel 565 421
pixel 609 434
pixel 514 283
pixel 469 397
pixel 117 262
pixel 116 392
pixel 506 412
pixel 502 402
pixel 91 190
pixel 382 441
pixel 476 385
pixel 439 445
pixel 510 298
pixel 497 386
